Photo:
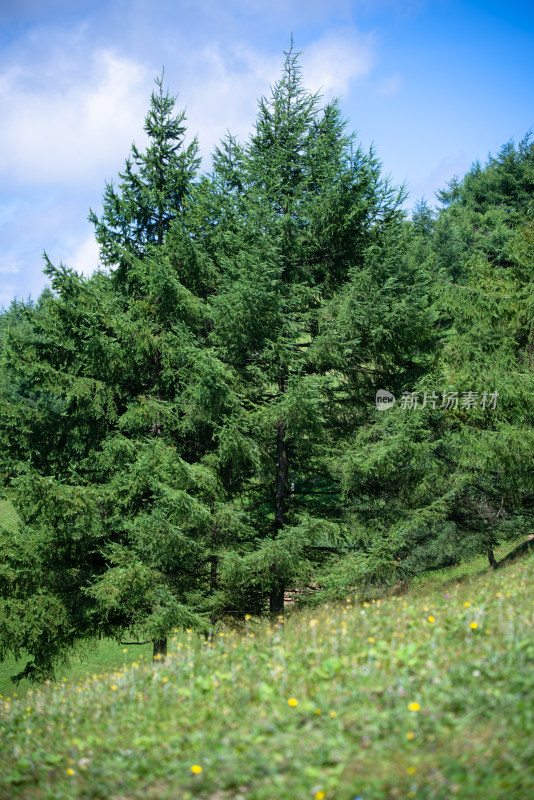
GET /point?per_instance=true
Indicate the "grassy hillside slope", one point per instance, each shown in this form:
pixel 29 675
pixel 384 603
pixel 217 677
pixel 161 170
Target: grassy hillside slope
pixel 425 695
pixel 8 516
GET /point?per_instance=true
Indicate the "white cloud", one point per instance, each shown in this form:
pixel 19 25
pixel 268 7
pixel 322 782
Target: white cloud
pixel 9 269
pixel 65 120
pixel 223 91
pixel 338 58
pixel 229 83
pixel 70 115
pixel 85 256
pixel 70 111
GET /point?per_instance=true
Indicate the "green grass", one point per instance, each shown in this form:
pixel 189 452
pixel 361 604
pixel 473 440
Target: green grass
pixel 8 516
pixel 434 579
pixel 425 695
pixel 102 656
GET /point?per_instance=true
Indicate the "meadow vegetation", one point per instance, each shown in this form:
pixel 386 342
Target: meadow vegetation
pixel 424 695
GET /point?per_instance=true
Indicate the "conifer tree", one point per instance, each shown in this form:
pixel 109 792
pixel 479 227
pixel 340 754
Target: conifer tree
pixel 447 472
pixel 297 207
pixel 153 188
pixel 111 411
pixel 195 432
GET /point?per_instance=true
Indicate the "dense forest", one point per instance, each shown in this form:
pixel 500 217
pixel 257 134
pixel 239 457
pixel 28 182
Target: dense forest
pixel 193 433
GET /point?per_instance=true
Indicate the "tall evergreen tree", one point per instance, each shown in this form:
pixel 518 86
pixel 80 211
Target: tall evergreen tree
pixel 447 472
pixel 153 188
pixel 112 410
pixel 298 207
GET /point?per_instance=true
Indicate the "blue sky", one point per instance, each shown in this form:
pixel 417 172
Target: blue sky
pixel 434 85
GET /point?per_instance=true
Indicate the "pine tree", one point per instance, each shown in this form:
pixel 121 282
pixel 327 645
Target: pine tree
pixel 153 188
pixel 297 208
pixel 447 472
pixel 107 437
pixel 108 428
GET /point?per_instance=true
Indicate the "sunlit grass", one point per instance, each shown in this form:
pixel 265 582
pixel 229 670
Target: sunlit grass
pixel 100 656
pixel 465 569
pixel 8 516
pixel 369 699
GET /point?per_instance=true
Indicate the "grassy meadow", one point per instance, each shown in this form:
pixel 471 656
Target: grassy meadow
pixel 8 516
pixel 427 694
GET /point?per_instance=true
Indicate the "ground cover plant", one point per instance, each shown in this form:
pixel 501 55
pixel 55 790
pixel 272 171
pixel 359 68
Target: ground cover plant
pixel 424 695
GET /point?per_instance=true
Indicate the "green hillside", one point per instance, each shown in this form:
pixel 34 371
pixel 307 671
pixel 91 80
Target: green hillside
pixel 8 516
pixel 422 695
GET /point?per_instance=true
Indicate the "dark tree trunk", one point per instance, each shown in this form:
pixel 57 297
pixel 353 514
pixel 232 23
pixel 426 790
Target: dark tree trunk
pixel 282 477
pixel 491 557
pixel 160 645
pixel 214 581
pixel 160 649
pixel 276 598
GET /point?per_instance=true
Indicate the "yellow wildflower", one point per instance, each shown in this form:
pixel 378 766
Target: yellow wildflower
pixel 474 626
pixel 414 707
pixel 292 702
pixel 196 769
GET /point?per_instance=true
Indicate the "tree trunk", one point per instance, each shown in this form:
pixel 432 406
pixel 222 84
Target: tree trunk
pixel 214 580
pixel 276 598
pixel 282 476
pixel 491 557
pixel 160 650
